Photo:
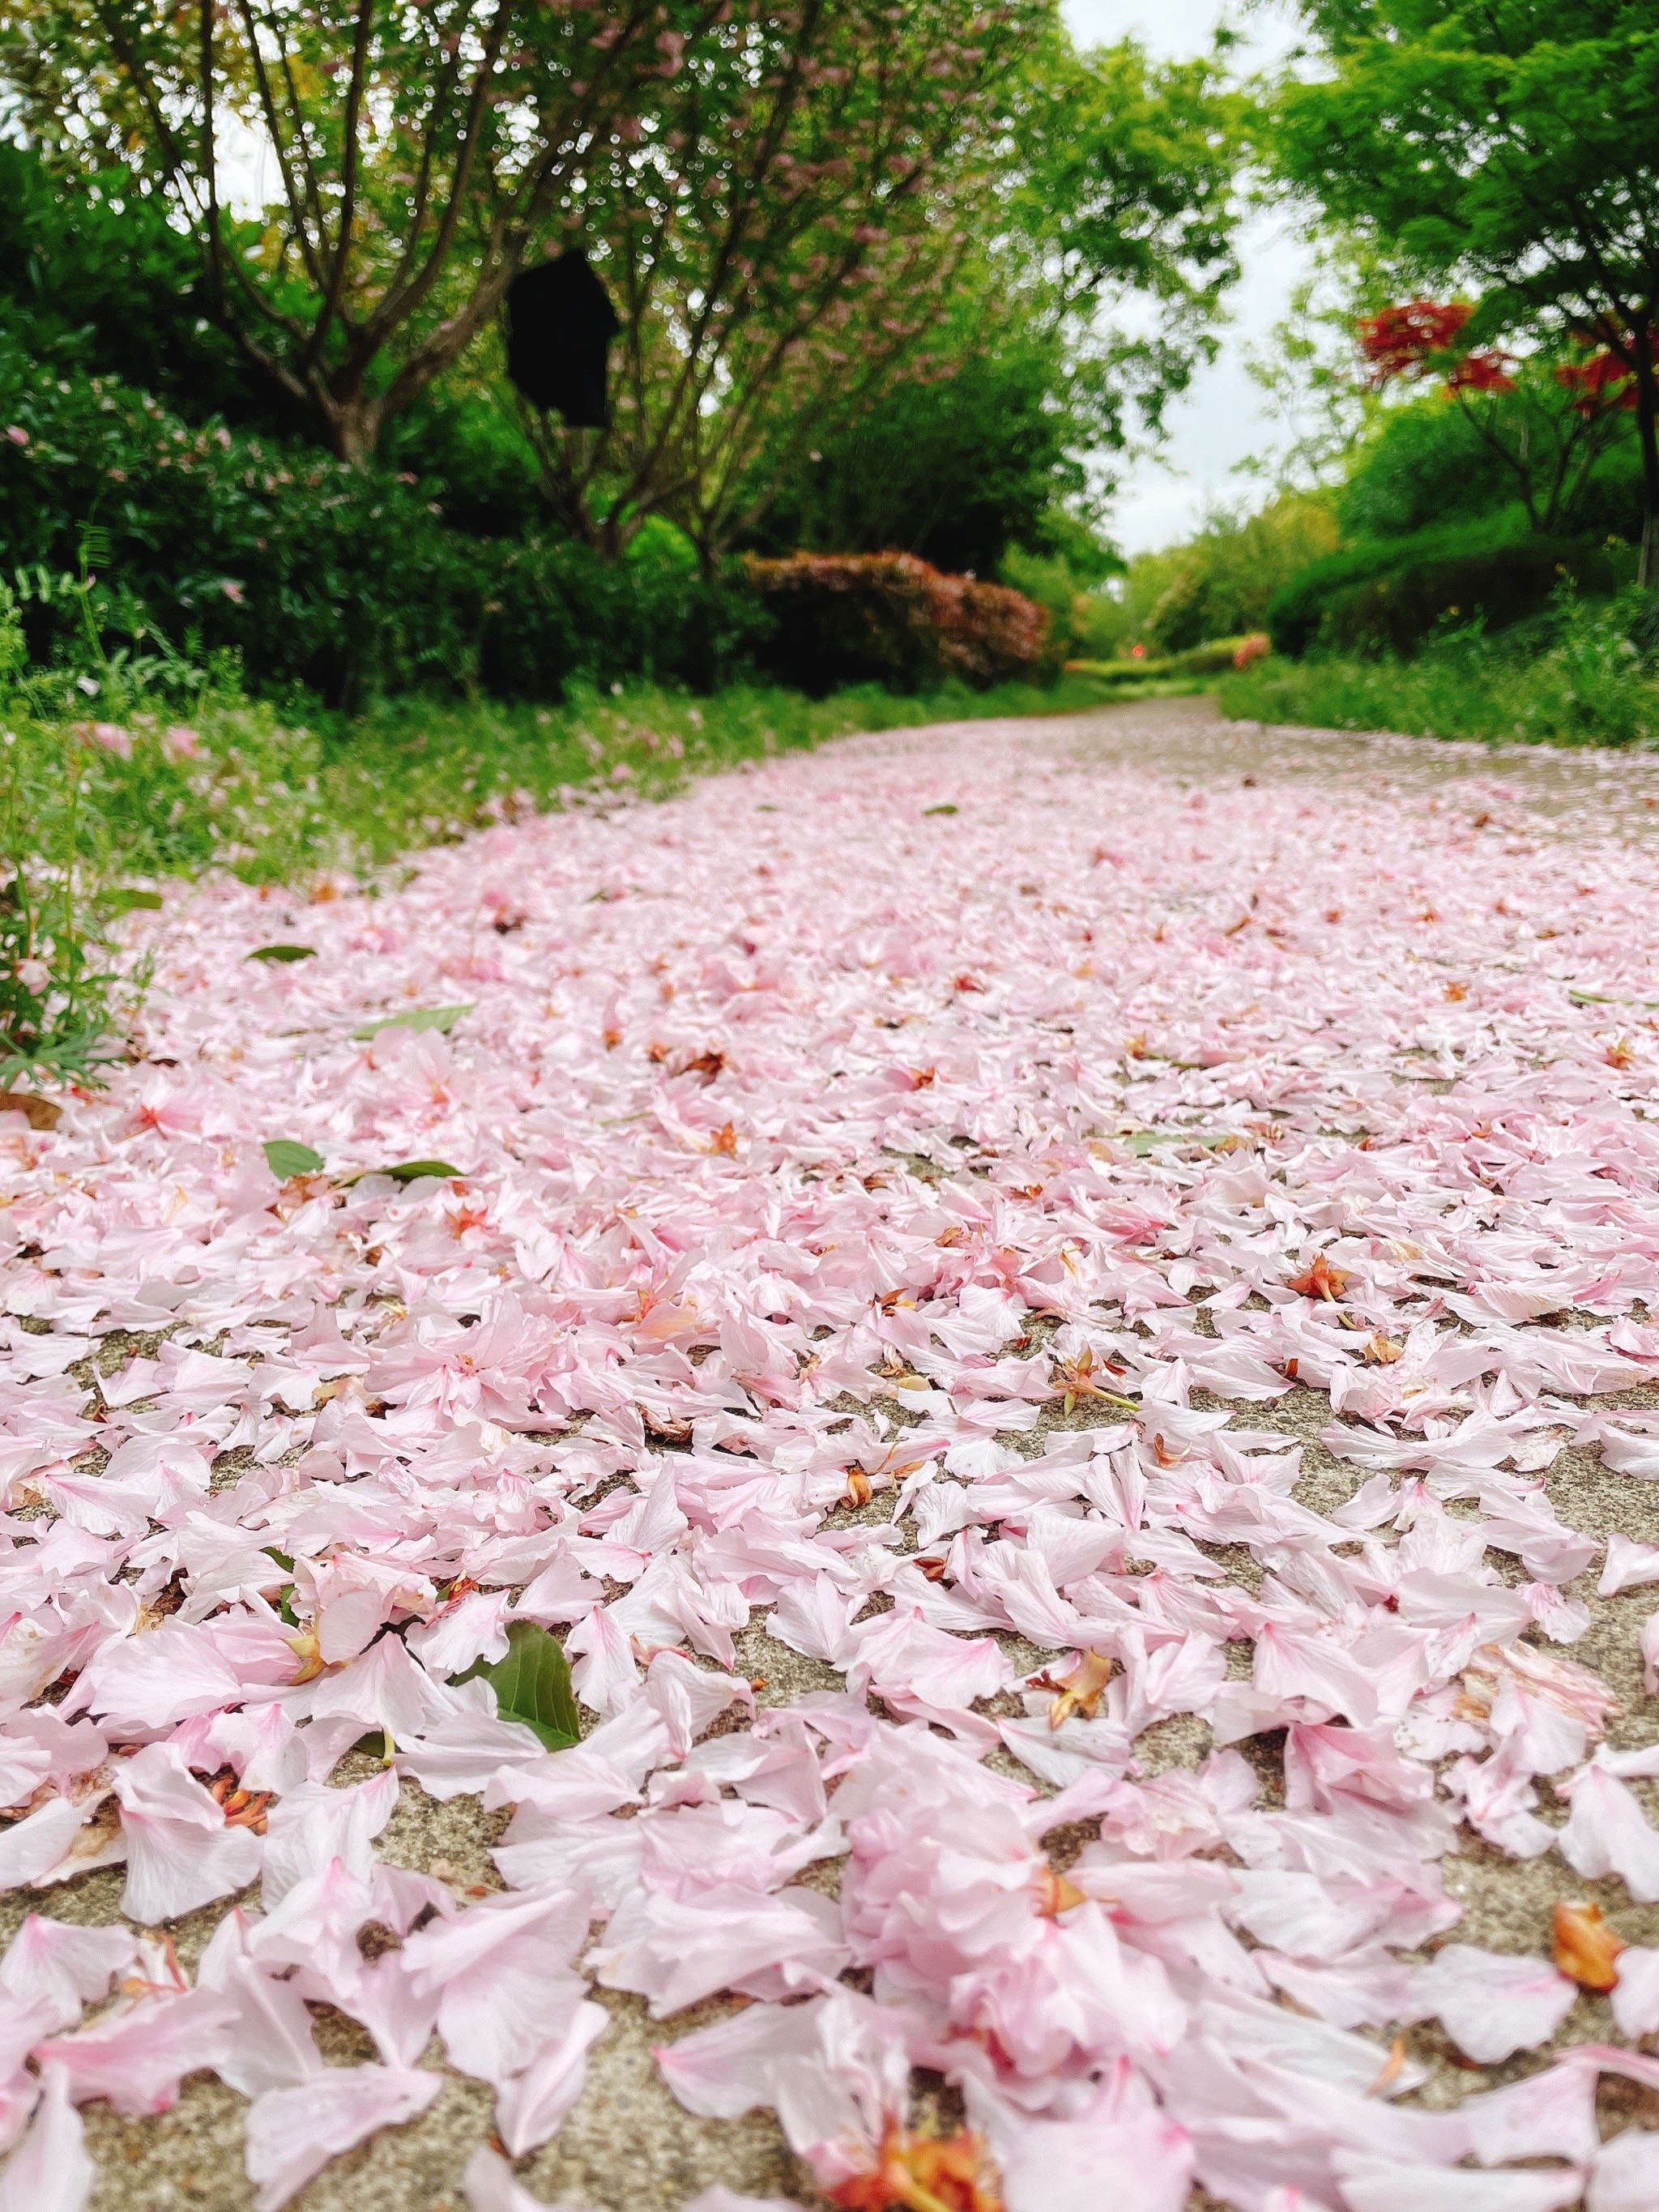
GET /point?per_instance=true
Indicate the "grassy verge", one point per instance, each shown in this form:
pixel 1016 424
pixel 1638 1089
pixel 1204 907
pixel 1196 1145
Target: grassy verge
pixel 93 813
pixel 1573 678
pixel 271 800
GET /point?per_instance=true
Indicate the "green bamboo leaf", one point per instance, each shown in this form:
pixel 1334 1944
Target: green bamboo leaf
pixel 532 1685
pixel 442 1018
pixel 284 952
pixel 285 1157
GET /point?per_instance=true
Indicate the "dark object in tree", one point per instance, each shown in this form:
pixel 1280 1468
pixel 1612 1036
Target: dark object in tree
pixel 560 323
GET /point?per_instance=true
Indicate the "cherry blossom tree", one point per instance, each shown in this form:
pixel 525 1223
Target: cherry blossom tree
pixel 362 176
pixel 820 195
pixel 778 234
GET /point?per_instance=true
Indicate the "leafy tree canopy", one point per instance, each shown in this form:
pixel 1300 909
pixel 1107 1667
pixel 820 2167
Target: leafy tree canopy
pixel 1508 145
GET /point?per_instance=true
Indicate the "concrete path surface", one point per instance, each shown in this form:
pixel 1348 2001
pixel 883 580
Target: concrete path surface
pixel 1058 1317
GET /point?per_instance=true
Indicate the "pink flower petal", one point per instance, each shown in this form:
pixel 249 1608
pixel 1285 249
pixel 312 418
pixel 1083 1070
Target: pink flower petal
pixel 292 2134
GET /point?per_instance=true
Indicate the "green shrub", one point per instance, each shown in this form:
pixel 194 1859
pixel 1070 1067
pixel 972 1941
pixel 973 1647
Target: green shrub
pixel 1431 463
pixel 1576 675
pixel 1426 466
pixel 1388 594
pixel 955 467
pixel 1082 622
pixel 341 580
pixel 95 279
pixel 889 618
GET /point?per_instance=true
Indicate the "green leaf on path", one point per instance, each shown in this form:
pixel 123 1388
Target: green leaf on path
pixel 131 902
pixel 285 1157
pixel 443 1019
pixel 1142 1142
pixel 532 1685
pixel 406 1171
pixel 284 952
pixel 940 810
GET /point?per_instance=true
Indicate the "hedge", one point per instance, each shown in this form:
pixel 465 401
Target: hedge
pixel 891 618
pixel 346 581
pixel 1209 660
pixel 1388 594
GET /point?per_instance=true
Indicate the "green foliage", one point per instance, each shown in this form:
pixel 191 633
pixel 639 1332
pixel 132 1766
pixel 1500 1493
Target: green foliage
pixel 1426 465
pixel 1124 181
pixel 1445 458
pixel 1391 594
pixel 316 574
pixel 98 280
pixel 441 1018
pixel 1082 623
pixel 286 1157
pixel 1220 583
pixel 1519 143
pixel 56 983
pixel 1574 675
pixel 532 1685
pixel 956 467
pixel 1514 150
pixel 1198 660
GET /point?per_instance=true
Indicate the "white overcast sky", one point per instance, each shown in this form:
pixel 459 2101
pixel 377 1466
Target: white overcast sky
pixel 1220 421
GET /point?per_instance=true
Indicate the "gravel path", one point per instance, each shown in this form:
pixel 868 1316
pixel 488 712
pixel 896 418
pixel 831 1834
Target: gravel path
pixel 969 1210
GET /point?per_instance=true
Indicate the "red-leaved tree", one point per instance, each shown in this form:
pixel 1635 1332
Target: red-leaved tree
pixel 1548 419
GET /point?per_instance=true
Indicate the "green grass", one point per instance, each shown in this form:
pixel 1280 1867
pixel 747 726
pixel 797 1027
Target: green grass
pixel 273 800
pixel 1574 677
pixel 181 774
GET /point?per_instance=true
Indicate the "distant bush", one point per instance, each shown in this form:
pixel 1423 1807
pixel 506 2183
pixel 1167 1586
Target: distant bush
pixel 1084 622
pixel 957 468
pixel 891 618
pixel 1220 584
pixel 1201 661
pixel 1389 594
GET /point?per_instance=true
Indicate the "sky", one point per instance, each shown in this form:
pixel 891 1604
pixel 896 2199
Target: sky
pixel 1221 420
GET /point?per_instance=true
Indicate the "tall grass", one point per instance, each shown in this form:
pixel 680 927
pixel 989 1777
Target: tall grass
pixel 1582 674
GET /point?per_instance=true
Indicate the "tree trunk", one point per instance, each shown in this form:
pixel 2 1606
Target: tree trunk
pixel 1647 573
pixel 353 427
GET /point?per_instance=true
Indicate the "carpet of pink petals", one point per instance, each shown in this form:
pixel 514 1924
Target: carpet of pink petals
pixel 817 1130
